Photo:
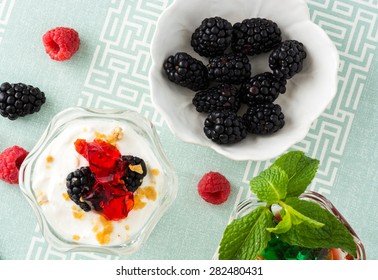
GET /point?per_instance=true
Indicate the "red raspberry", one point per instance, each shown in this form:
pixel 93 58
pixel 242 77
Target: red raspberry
pixel 10 162
pixel 61 43
pixel 214 188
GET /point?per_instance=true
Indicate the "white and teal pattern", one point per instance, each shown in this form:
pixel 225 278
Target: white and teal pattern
pixel 111 71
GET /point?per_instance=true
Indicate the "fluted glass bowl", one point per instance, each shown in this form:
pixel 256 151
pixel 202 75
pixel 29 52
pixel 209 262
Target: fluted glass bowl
pixel 251 203
pixel 63 224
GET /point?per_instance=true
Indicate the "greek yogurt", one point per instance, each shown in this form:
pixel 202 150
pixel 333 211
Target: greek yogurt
pixel 60 158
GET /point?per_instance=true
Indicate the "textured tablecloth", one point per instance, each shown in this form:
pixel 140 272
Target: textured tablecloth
pixel 111 71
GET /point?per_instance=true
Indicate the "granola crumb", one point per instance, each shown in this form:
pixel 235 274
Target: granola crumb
pixel 42 198
pixel 77 213
pixel 115 135
pixel 148 192
pixel 66 196
pixel 75 237
pixel 136 168
pixel 103 236
pixel 155 172
pixel 49 159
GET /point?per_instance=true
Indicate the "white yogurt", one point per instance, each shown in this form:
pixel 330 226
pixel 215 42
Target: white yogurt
pixel 60 158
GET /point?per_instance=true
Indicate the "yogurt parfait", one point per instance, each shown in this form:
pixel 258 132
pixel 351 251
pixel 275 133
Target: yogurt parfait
pixel 98 180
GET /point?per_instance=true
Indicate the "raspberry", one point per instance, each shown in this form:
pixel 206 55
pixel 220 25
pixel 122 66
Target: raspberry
pixel 214 188
pixel 10 162
pixel 61 43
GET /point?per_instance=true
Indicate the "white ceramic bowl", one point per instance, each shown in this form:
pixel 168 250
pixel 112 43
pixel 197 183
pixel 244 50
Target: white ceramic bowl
pixel 308 93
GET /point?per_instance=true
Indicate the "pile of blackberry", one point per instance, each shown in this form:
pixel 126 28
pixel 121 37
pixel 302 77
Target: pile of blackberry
pixel 225 83
pixel 86 192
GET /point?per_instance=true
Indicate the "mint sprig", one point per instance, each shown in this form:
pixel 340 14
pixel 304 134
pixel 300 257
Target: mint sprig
pixel 304 223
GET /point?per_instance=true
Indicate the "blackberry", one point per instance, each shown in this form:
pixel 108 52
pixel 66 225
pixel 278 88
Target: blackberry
pixel 19 100
pixel 218 98
pixel 229 68
pixel 255 36
pixel 79 183
pixel 186 71
pixel 136 171
pixel 262 88
pixel 212 37
pixel 224 127
pixel 264 118
pixel 287 59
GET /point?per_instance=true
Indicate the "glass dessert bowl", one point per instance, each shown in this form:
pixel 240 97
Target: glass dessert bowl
pixel 98 180
pixel 277 249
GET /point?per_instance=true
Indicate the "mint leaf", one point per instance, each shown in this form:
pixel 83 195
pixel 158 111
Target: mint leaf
pixel 289 161
pixel 332 235
pixel 300 170
pixel 270 186
pixel 283 226
pixel 290 217
pixel 297 217
pixel 245 238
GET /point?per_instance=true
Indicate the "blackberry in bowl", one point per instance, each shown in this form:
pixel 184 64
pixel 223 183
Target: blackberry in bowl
pixel 229 68
pixel 212 37
pixel 265 118
pixel 219 98
pixel 254 36
pixel 186 71
pixel 287 59
pixel 224 127
pixel 262 88
pixel 79 182
pixel 133 177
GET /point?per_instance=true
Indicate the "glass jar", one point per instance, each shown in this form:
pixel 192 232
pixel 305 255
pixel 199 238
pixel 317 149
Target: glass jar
pixel 251 203
pixel 56 223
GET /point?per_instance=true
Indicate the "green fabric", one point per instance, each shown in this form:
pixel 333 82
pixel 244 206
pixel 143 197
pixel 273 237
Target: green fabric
pixel 111 71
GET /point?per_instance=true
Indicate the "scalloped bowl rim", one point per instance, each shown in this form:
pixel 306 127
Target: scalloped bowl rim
pixel 49 233
pixel 155 82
